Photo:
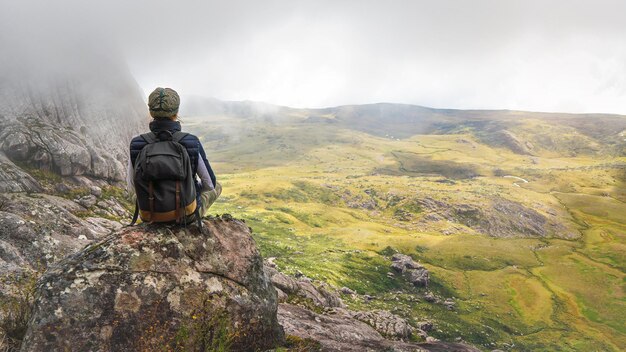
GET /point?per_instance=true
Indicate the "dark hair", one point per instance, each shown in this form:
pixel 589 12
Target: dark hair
pixel 172 118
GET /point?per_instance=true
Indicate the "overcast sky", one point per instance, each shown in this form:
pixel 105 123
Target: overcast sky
pixel 530 55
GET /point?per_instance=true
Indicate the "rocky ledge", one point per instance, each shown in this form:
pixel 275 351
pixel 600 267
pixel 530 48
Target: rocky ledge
pixel 160 287
pixel 343 330
pixel 154 287
pixel 312 311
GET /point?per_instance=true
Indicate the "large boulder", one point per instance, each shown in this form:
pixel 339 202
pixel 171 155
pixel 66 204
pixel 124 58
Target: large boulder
pixel 414 272
pixel 14 179
pixel 159 287
pixel 320 295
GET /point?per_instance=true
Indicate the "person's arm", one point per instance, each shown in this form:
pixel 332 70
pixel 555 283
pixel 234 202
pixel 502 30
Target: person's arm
pixel 206 164
pixel 205 177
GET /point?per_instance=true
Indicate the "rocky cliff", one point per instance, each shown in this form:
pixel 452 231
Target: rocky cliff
pixel 65 124
pixel 77 122
pixel 64 133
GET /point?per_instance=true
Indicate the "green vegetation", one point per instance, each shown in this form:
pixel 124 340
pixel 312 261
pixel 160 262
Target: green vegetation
pixel 119 194
pixel 77 192
pixel 335 204
pixel 16 308
pixel 297 344
pixel 415 164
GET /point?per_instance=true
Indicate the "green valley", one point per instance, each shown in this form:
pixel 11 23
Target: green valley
pixel 519 217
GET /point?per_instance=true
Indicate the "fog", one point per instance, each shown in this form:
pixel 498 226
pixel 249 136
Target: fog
pixel 565 56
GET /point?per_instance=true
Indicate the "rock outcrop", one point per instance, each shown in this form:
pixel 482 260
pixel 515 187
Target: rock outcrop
pixel 14 179
pixel 37 230
pixel 386 323
pixel 495 216
pixel 315 313
pixel 60 149
pixel 341 331
pixel 156 286
pixel 511 141
pixel 319 295
pixel 414 272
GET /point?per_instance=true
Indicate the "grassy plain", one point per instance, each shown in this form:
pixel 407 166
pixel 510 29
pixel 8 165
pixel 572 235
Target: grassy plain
pixel 335 204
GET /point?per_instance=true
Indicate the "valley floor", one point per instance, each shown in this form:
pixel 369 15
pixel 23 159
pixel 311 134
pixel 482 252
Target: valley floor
pixel 531 248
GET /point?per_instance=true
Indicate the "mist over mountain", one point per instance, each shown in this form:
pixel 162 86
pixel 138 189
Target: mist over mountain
pixel 72 119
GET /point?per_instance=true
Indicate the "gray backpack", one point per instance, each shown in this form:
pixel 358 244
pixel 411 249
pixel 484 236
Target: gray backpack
pixel 164 182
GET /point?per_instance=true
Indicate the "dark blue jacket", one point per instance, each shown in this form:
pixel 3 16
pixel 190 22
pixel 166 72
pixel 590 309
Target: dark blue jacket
pixel 190 142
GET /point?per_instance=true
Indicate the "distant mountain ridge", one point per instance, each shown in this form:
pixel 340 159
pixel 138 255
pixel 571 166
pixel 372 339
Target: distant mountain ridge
pixel 515 130
pixel 198 106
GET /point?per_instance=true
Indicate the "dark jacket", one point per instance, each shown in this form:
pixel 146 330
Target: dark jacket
pixel 190 142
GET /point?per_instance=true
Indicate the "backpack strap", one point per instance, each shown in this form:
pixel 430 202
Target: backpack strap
pixel 177 211
pixel 198 218
pixel 149 137
pixel 178 136
pixel 136 214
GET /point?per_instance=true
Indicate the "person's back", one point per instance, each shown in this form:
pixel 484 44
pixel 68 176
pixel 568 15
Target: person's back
pixel 164 104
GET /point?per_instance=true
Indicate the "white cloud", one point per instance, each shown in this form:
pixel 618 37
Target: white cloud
pixel 567 55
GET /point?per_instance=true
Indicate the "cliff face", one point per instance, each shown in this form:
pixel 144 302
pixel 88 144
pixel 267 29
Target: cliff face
pixel 77 122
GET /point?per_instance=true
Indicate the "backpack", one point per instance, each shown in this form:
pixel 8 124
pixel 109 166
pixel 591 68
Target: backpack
pixel 164 182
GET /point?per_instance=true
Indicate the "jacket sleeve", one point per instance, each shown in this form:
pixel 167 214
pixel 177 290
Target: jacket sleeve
pixel 205 178
pixel 207 165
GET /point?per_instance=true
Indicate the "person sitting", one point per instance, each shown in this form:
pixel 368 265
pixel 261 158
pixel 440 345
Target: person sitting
pixel 147 189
